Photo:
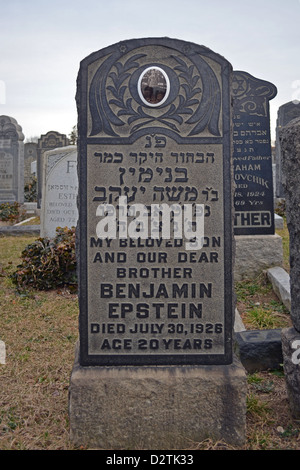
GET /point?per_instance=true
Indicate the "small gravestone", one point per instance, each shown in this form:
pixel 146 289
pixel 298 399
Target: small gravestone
pixel 155 249
pixel 11 161
pixel 290 144
pixel 286 113
pixel 252 155
pixel 60 189
pixel 49 141
pixel 30 156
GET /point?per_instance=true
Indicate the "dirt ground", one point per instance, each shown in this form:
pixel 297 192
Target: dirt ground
pixel 35 381
pixel 40 330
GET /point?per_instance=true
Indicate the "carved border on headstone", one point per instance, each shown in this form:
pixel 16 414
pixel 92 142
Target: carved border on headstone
pixel 115 108
pixel 251 95
pixel 111 115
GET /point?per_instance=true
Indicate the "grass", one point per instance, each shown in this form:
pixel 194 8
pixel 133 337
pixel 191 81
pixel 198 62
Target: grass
pixel 259 307
pixel 256 302
pixel 284 234
pixel 269 423
pixel 35 221
pixel 40 330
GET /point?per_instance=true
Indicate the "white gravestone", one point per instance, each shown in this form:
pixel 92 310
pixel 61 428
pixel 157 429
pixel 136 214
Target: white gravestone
pixel 60 188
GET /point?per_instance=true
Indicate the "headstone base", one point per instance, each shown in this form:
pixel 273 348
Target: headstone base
pixel 256 253
pixel 291 365
pixel 148 408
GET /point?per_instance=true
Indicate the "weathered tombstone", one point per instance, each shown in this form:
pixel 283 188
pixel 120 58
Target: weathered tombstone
pixel 60 189
pixel 257 245
pixel 30 156
pixel 252 155
pixel 156 308
pixel 286 113
pixel 290 144
pixel 49 141
pixel 11 160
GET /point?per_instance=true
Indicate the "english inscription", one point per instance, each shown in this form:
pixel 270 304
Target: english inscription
pixel 146 298
pixel 252 158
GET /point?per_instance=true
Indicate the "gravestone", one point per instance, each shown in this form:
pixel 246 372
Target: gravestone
pixel 290 143
pixel 156 303
pixel 49 141
pixel 286 113
pixel 11 161
pixel 60 189
pixel 252 155
pixel 257 245
pixel 30 156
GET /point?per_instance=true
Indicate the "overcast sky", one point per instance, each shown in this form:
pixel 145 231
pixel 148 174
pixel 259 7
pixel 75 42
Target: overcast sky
pixel 43 42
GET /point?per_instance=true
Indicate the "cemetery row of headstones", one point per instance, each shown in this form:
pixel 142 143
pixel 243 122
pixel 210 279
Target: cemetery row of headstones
pixel 156 135
pixel 20 163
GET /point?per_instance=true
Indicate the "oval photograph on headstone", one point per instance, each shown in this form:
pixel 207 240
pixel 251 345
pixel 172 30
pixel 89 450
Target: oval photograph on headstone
pixel 154 86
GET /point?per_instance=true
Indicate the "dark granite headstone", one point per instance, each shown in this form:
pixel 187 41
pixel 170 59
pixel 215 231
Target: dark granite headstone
pixel 259 349
pixel 289 137
pixel 290 144
pixel 11 161
pixel 252 155
pixel 286 113
pixel 154 126
pixel 49 141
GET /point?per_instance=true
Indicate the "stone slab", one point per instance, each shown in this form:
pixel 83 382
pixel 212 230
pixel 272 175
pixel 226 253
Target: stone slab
pixel 30 207
pixel 156 407
pixel 255 254
pixel 280 281
pixel 238 322
pixel 259 349
pixel 278 222
pixel 20 230
pixel 291 365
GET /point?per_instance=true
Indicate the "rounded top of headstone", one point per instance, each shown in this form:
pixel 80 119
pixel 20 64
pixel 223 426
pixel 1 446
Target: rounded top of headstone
pixel 186 47
pixel 135 82
pixel 290 104
pixel 293 123
pixel 288 112
pixel 9 125
pixel 243 83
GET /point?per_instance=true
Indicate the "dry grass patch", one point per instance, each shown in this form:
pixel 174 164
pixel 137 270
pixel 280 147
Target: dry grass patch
pixel 270 425
pixel 40 330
